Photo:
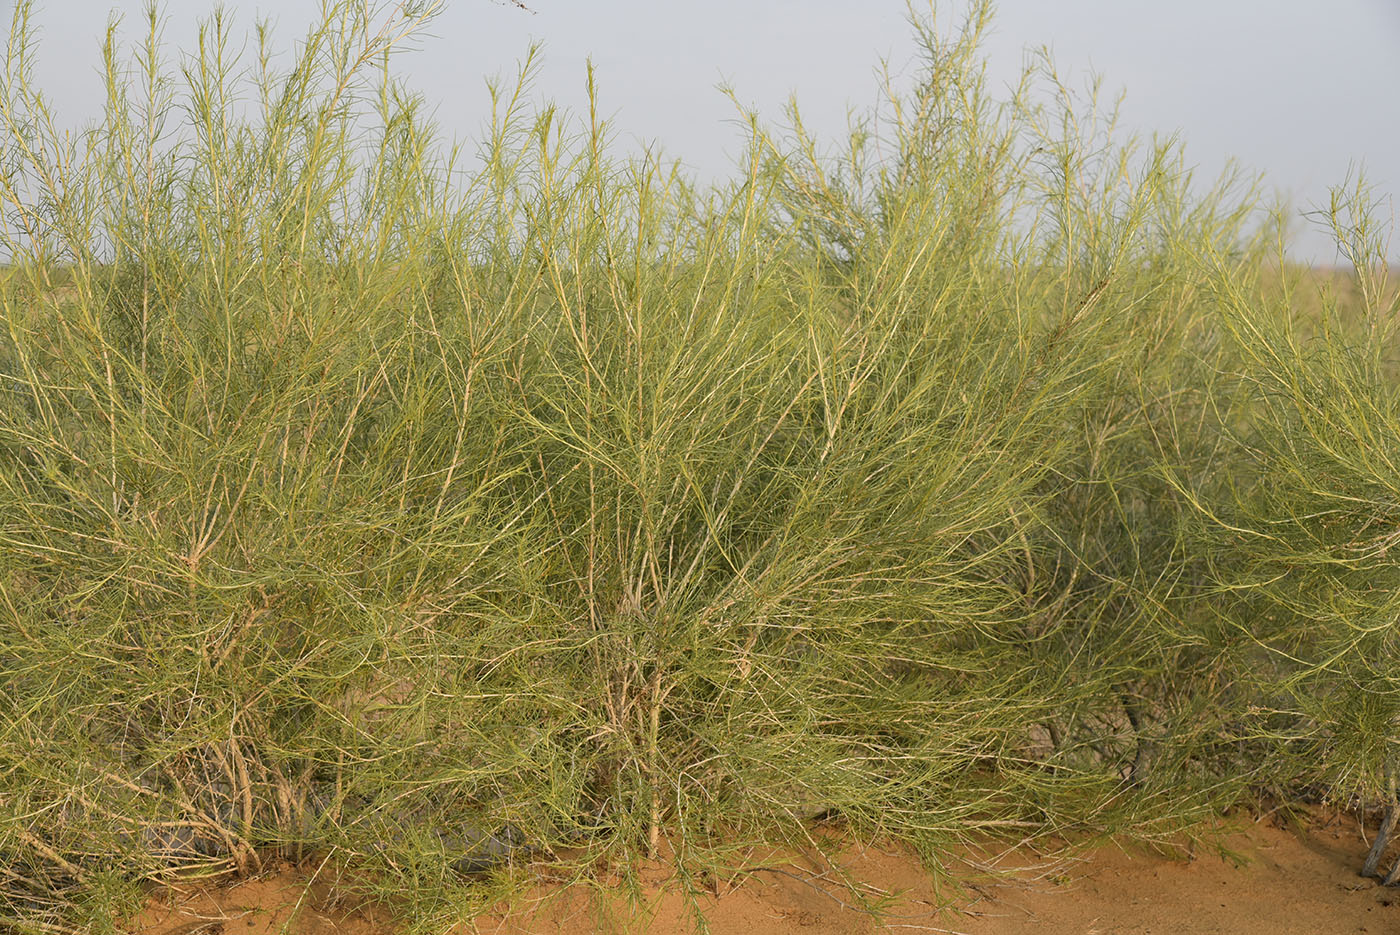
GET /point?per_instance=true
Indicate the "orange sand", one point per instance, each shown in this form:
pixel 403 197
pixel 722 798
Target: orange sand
pixel 1294 881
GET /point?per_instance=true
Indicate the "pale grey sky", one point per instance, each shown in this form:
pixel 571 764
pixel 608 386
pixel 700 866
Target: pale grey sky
pixel 1300 89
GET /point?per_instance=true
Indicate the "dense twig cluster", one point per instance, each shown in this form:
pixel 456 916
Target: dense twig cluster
pixel 358 503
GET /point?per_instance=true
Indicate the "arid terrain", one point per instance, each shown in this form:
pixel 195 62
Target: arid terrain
pixel 379 508
pixel 1279 878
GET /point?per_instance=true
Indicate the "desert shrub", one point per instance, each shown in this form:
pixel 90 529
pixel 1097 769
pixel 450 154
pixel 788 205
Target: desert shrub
pixel 1302 553
pixel 361 503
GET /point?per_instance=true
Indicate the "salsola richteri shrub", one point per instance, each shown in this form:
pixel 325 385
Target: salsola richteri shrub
pixel 366 502
pixel 1303 550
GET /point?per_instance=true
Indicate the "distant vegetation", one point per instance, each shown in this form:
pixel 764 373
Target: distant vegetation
pixel 419 512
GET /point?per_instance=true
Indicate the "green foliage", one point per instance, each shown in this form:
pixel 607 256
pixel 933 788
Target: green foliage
pixel 356 502
pixel 1308 563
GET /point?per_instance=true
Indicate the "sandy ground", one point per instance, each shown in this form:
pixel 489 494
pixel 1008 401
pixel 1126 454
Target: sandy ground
pixel 1293 880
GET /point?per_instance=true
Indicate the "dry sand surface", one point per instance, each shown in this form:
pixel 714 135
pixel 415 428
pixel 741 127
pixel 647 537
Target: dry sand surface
pixel 1294 880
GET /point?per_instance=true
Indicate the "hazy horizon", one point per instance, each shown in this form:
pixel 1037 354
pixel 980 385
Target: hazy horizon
pixel 1301 97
